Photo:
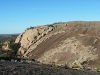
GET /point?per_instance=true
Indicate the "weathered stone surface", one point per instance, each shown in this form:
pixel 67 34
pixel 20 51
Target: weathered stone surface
pixel 63 43
pixel 6 45
pixel 31 37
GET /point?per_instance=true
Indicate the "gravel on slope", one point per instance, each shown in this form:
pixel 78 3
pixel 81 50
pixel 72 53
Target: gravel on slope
pixel 15 68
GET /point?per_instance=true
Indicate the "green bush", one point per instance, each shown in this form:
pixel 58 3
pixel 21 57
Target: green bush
pixel 0 45
pixel 76 66
pixel 66 66
pixel 2 51
pixel 98 67
pixel 30 28
pixel 14 49
pixel 53 64
pixel 14 46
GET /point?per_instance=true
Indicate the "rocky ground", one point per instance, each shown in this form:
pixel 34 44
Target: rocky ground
pixel 15 68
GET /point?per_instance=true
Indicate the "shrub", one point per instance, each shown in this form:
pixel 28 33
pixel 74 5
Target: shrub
pixel 0 45
pixel 53 64
pixel 58 23
pixel 2 51
pixel 98 67
pixel 14 46
pixel 76 66
pixel 30 28
pixel 14 49
pixel 66 66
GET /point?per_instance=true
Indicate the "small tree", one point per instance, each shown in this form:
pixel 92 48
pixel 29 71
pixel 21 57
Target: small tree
pixel 2 51
pixel 14 48
pixel 0 45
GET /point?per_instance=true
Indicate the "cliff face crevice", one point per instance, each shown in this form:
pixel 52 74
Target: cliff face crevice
pixel 62 43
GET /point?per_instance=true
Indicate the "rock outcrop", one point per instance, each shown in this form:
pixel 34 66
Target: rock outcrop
pixel 6 45
pixel 32 38
pixel 63 43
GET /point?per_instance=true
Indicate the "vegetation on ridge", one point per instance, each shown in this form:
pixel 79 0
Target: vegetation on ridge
pixel 12 46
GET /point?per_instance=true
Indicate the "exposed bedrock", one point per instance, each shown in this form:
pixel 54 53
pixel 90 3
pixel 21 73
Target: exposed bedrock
pixel 62 43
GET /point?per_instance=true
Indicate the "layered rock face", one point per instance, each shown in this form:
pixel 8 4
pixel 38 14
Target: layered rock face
pixel 62 43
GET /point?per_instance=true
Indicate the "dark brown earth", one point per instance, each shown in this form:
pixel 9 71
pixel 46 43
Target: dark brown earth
pixel 10 68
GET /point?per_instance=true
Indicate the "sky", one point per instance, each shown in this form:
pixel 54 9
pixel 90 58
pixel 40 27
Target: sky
pixel 17 15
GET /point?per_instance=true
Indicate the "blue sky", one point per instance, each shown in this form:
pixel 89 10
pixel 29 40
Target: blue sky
pixel 17 15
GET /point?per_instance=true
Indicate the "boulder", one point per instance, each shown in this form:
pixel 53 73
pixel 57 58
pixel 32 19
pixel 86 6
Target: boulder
pixel 6 45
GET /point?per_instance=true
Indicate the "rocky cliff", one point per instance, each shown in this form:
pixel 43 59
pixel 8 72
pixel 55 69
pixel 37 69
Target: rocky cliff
pixel 62 43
